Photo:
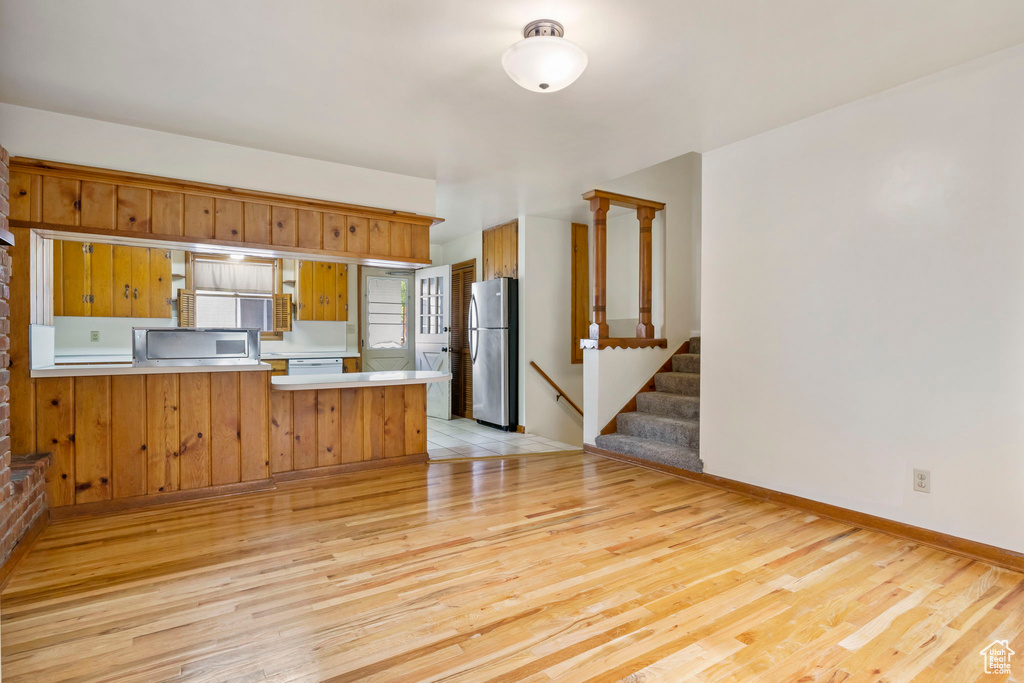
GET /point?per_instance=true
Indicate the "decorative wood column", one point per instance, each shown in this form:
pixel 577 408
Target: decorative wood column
pixel 600 202
pixel 645 329
pixel 599 320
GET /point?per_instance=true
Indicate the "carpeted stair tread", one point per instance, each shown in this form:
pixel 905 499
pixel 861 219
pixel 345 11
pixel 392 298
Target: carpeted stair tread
pixel 655 451
pixel 669 405
pixel 695 345
pixel 686 362
pixel 684 383
pixel 659 428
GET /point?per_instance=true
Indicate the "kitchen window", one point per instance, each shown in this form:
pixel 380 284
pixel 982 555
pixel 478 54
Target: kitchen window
pixel 387 310
pixel 234 293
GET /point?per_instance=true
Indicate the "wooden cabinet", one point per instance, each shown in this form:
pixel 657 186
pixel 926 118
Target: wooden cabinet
pixel 278 367
pixel 101 280
pixel 321 291
pixel 353 364
pixel 85 199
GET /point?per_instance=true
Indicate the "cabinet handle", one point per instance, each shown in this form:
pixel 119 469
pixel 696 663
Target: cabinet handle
pixel 321 299
pixel 126 288
pixel 135 293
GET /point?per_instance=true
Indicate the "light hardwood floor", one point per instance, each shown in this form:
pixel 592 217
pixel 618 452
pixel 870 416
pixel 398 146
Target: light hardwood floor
pixel 541 568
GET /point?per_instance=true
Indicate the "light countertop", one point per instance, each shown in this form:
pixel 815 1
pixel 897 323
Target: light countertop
pixel 354 380
pixel 95 369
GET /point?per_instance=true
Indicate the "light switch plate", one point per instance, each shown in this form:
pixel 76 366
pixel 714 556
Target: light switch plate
pixel 923 481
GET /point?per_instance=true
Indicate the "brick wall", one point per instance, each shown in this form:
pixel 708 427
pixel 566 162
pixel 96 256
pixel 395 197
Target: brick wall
pixel 6 488
pixel 22 484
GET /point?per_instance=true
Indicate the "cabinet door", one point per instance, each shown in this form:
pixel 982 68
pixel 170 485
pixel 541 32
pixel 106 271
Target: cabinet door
pixel 351 364
pixel 304 307
pixel 102 280
pixel 140 279
pixel 76 276
pixel 330 291
pixel 122 294
pixel 319 285
pixel 341 293
pixel 159 285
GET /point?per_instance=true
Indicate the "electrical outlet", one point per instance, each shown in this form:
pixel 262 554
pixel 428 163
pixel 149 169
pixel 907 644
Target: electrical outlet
pixel 923 481
pixel 94 336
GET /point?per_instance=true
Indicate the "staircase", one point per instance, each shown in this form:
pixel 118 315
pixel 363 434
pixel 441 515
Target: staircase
pixel 665 427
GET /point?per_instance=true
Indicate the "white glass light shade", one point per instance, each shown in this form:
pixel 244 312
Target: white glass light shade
pixel 544 63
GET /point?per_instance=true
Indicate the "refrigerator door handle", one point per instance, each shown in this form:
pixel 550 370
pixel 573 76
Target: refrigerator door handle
pixel 474 337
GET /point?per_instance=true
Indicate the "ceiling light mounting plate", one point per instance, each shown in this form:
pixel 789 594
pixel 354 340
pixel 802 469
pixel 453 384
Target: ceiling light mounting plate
pixel 543 27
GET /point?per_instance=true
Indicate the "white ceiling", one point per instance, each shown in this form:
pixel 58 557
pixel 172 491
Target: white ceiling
pixel 416 86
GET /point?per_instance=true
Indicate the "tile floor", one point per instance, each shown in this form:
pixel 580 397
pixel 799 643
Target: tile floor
pixel 462 438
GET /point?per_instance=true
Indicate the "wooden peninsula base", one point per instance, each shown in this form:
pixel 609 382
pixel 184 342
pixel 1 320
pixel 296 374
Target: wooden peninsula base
pixel 135 440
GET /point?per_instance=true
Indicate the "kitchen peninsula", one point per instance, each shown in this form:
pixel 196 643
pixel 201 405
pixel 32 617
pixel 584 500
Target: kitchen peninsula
pixel 124 436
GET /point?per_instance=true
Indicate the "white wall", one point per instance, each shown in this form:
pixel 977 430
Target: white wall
pixel 863 304
pixel 611 376
pixel 57 137
pixel 463 249
pixel 73 334
pixel 313 336
pixel 623 282
pixel 545 300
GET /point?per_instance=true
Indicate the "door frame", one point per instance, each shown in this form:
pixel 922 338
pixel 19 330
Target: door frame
pixel 410 317
pixel 467 411
pixel 438 344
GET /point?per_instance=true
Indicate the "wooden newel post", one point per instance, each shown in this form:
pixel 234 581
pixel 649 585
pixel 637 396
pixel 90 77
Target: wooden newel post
pixel 645 329
pixel 599 320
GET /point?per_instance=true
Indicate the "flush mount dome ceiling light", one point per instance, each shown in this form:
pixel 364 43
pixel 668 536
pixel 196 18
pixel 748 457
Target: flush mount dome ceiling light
pixel 544 61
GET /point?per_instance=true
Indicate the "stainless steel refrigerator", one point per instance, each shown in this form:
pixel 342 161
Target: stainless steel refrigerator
pixel 493 348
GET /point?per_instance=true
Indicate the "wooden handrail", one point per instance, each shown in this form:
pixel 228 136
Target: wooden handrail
pixel 557 388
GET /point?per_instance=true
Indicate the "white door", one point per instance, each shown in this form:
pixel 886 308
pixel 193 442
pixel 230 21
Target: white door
pixel 388 334
pixel 433 320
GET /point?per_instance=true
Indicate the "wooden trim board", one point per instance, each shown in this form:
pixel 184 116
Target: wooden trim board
pixel 974 550
pixel 579 295
pixel 623 343
pixel 104 507
pixel 623 200
pixel 344 468
pixel 118 505
pixel 56 231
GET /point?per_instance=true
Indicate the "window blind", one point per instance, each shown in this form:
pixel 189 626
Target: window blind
pixel 386 312
pixel 233 276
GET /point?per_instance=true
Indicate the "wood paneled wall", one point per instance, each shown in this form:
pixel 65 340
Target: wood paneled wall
pixel 342 426
pixel 100 201
pixel 501 251
pixel 136 435
pixel 125 436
